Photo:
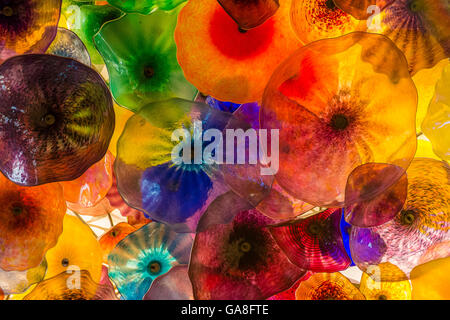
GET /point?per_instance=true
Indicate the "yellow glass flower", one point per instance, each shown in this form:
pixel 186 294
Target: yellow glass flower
pixel 77 249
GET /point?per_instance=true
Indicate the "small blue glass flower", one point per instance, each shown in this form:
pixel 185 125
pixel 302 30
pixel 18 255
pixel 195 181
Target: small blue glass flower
pixel 144 255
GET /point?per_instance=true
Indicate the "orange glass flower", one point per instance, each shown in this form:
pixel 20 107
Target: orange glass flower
pixel 384 290
pixel 332 104
pixel 319 19
pixel 27 26
pixel 92 186
pixel 77 249
pixel 77 285
pixel 112 237
pixel 328 286
pixel 31 220
pixel 223 61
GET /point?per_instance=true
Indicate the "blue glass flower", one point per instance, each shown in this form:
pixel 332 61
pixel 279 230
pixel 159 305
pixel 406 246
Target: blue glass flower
pixel 164 169
pixel 144 255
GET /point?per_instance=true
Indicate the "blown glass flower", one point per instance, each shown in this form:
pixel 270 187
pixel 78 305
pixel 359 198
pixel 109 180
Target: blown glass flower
pixel 67 286
pixel 436 125
pixel 239 259
pixel 92 186
pixel 319 19
pixel 423 223
pixel 140 54
pixel 67 44
pixel 174 285
pixel 31 220
pixel 144 255
pixel 56 118
pixel 77 249
pixel 328 286
pixel 250 14
pixel 27 26
pixel 330 101
pixel 314 243
pixel 144 6
pixel 171 191
pixel 232 65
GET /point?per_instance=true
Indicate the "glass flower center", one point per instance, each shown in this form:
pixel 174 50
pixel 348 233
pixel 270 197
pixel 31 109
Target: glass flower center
pixel 339 122
pixel 407 217
pixel 413 6
pixel 315 228
pixel 154 267
pixel 149 72
pixel 328 291
pixel 65 262
pixel 7 11
pixel 330 4
pixel 49 119
pixel 16 209
pixel 192 152
pixel 382 297
pixel 245 247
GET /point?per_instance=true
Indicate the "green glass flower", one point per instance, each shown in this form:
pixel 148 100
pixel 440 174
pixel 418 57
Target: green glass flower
pixel 140 54
pixel 144 6
pixel 87 21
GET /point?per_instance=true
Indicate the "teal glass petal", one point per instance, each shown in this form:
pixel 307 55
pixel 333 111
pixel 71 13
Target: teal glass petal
pixel 144 255
pixel 141 56
pixel 144 6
